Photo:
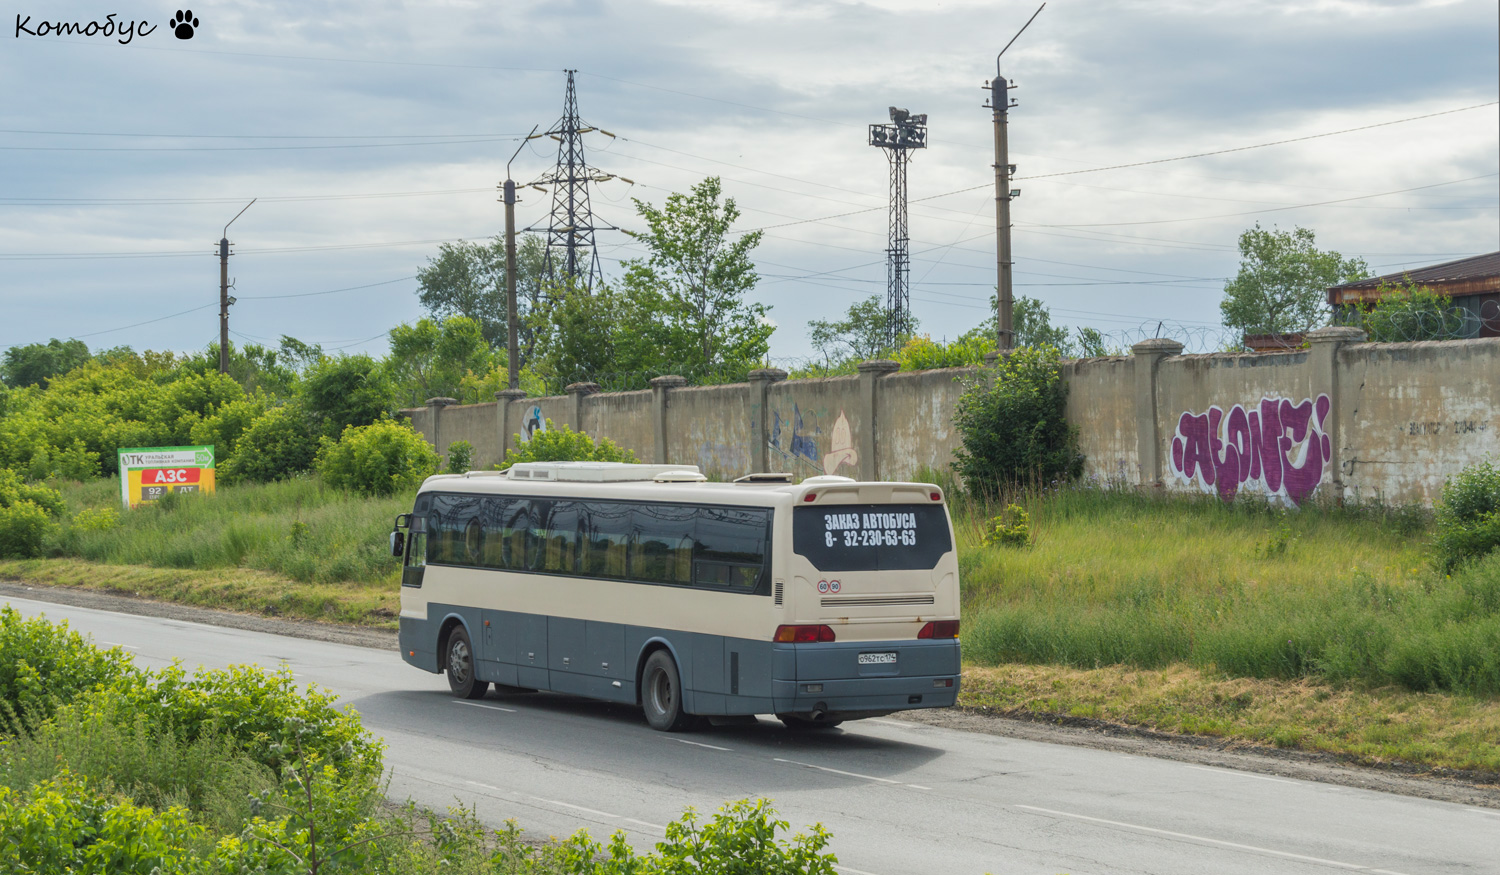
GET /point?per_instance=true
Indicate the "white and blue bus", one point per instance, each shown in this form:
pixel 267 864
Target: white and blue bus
pixel 818 602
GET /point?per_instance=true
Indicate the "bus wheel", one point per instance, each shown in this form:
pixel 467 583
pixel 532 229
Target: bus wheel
pixel 802 724
pixel 460 666
pixel 661 694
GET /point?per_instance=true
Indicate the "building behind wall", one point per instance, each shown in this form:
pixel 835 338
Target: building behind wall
pixel 1473 284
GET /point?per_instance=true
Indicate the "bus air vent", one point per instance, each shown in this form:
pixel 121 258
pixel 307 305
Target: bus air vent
pixel 765 477
pixel 873 601
pixel 778 590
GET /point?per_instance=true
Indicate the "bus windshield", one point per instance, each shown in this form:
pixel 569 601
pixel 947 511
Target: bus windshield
pixel 871 537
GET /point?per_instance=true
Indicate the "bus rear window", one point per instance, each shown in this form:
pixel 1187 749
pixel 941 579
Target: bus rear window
pixel 871 537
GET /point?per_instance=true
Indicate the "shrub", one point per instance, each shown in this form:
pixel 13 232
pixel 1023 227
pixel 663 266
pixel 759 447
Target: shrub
pixel 66 826
pixel 460 457
pixel 27 515
pixel 1011 528
pixel 1014 430
pixel 43 666
pixel 95 519
pixel 346 391
pixel 564 445
pixel 923 353
pixel 276 446
pixel 378 459
pixel 1468 518
pixel 1410 312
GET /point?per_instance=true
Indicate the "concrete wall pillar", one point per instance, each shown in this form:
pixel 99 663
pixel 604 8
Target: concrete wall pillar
pixel 576 393
pixel 507 422
pixel 1324 361
pixel 659 388
pixel 1148 355
pixel 760 426
pixel 869 403
pixel 435 406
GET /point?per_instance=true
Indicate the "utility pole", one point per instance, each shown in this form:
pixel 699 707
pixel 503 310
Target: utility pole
pixel 1000 103
pixel 905 133
pixel 224 299
pixel 512 316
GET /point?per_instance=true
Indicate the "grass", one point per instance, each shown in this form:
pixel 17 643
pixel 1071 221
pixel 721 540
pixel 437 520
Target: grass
pixel 294 548
pixel 1341 595
pixel 1370 726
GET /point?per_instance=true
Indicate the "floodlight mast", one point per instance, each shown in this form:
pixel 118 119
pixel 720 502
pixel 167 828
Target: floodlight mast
pixel 512 345
pixel 1000 103
pixel 906 131
pixel 224 299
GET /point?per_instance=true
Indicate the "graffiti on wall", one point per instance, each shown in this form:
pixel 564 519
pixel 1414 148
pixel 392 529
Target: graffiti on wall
pixel 532 423
pixel 1275 446
pixel 805 432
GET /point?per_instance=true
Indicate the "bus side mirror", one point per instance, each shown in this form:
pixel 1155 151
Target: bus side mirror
pixel 398 543
pixel 403 521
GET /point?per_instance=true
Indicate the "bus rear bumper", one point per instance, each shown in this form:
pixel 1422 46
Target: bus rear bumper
pixel 864 697
pixel 830 678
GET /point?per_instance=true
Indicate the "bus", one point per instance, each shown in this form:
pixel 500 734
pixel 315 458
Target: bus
pixel 818 602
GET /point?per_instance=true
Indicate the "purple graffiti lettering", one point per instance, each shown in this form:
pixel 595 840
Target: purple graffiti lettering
pixel 1275 445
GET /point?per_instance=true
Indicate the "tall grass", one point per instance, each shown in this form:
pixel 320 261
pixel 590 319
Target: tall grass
pixel 298 528
pixel 1116 577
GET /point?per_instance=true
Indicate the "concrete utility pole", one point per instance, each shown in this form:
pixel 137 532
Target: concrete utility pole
pixel 224 299
pixel 1000 103
pixel 512 316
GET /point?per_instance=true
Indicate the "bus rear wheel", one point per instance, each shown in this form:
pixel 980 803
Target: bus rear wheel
pixel 459 662
pixel 661 694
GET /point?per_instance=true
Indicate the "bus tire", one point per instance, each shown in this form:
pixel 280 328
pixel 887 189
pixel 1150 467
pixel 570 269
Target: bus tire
pixel 458 661
pixel 661 694
pixel 802 724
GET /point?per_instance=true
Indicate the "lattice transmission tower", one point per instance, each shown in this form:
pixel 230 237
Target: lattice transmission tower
pixel 571 253
pixel 904 133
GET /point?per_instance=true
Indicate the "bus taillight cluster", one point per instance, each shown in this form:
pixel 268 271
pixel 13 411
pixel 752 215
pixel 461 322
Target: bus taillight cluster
pixel 939 629
pixel 803 634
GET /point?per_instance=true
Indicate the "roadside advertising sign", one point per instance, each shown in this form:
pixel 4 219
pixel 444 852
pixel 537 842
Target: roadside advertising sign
pixel 149 473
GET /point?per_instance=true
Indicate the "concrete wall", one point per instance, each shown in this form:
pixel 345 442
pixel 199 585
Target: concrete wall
pixel 1340 419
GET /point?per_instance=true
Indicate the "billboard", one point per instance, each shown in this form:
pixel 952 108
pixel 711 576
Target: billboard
pixel 149 473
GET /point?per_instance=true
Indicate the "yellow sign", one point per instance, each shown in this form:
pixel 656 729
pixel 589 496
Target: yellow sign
pixel 149 473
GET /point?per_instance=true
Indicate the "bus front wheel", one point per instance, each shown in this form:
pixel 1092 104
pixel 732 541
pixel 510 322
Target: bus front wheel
pixel 661 694
pixel 459 662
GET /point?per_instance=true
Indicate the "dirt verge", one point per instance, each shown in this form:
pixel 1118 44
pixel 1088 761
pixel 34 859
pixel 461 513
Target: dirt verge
pixel 1446 785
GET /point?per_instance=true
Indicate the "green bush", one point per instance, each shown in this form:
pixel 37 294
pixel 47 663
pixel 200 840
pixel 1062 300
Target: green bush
pixel 1409 312
pixel 564 445
pixel 460 457
pixel 1468 518
pixel 276 446
pixel 923 353
pixel 64 825
pixel 1014 428
pixel 346 391
pixel 383 458
pixel 1010 528
pixel 43 666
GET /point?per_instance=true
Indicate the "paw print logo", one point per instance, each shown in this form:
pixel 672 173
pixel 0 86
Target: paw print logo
pixel 182 24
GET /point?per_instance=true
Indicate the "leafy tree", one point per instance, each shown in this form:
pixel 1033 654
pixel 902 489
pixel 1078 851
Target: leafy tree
pixel 468 279
pixel 1030 320
pixel 344 391
pixel 253 366
pixel 685 300
pixel 1014 427
pixel 1282 282
pixel 859 336
pixel 430 359
pixel 923 353
pixel 277 445
pixel 577 339
pixel 1409 312
pixel 299 356
pixel 37 363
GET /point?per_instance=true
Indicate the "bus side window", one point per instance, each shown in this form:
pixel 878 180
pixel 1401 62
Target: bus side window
pixel 606 530
pixel 730 550
pixel 416 543
pixel 434 538
pixel 561 533
pixel 492 553
pixel 661 548
pixel 516 535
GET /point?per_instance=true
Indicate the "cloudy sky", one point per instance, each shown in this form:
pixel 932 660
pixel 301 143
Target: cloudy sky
pixel 372 131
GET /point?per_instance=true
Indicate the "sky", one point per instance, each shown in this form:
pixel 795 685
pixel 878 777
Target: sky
pixel 371 132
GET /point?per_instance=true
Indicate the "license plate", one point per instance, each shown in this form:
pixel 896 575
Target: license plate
pixel 877 659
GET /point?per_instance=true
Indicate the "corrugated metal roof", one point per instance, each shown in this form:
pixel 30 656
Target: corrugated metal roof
pixel 1471 268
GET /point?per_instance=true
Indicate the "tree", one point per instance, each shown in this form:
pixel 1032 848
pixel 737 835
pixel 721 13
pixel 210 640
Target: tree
pixel 36 363
pixel 685 301
pixel 1032 323
pixel 468 279
pixel 576 341
pixel 430 359
pixel 859 336
pixel 344 391
pixel 1282 282
pixel 1014 427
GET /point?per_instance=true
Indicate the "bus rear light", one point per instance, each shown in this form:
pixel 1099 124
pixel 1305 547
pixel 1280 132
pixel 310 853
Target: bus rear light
pixel 811 496
pixel 803 634
pixel 939 629
pixel 942 683
pixel 935 496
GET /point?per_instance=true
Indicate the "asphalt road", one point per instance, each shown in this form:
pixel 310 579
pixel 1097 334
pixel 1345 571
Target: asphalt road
pixel 899 797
